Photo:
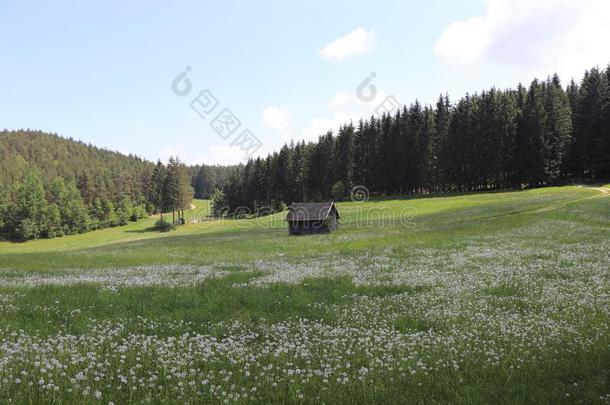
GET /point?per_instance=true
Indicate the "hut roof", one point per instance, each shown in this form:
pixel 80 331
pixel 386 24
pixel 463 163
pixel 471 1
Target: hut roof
pixel 314 211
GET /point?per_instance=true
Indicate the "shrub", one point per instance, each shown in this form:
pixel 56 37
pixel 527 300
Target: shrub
pixel 338 191
pixel 139 212
pixel 27 229
pixel 219 203
pixel 164 226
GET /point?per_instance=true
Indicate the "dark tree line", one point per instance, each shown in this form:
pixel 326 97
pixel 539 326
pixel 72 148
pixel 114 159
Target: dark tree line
pixel 499 139
pixel 170 189
pixel 51 186
pixel 206 178
pixel 523 137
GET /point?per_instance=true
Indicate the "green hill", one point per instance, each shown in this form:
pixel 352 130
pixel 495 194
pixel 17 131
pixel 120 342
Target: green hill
pixel 50 156
pixel 424 300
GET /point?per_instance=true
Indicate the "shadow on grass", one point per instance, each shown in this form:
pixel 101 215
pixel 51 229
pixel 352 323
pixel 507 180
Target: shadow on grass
pixel 145 230
pixel 448 194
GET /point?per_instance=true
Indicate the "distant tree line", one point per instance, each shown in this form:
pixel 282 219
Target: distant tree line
pixel 170 189
pixel 499 139
pixel 206 178
pixel 51 186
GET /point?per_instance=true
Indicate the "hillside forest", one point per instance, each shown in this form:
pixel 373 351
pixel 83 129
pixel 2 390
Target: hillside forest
pixel 498 139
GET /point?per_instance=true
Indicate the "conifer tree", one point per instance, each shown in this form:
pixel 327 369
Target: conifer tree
pixel 532 132
pixel 185 190
pixel 156 189
pixel 344 154
pixel 558 129
pixel 587 122
pixel 439 152
pixel 601 143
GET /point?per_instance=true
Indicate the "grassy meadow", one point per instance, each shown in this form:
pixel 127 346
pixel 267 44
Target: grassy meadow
pixel 476 298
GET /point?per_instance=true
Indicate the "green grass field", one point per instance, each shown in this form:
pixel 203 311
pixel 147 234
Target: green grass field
pixel 477 298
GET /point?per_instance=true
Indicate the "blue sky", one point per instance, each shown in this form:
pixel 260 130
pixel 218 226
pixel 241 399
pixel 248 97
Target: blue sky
pixel 101 72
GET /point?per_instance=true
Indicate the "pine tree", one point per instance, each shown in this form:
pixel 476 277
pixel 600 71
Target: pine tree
pixel 218 203
pixel 601 143
pixel 318 176
pixel 587 123
pixel 439 147
pixel 506 122
pixel 344 154
pixel 201 183
pixel 280 177
pixel 531 135
pixel 485 155
pixel 392 154
pixel 427 150
pixel 296 191
pixel 86 187
pixel 185 190
pixel 177 190
pixel 416 147
pixel 385 145
pixel 156 189
pixel 259 176
pixel 461 149
pixel 558 129
pixel 360 156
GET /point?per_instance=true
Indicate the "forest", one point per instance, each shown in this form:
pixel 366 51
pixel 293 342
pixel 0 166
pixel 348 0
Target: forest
pixel 51 186
pixel 499 139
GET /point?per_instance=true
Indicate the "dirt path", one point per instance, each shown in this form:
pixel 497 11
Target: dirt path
pixel 603 190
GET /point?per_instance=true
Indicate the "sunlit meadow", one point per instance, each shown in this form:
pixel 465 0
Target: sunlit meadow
pixel 480 298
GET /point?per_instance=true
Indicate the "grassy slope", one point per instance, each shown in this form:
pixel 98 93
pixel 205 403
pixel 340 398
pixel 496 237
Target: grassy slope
pixel 403 222
pixel 569 218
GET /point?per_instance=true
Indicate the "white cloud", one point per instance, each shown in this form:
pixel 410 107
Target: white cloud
pixel 340 109
pixel 341 100
pixel 276 118
pixel 225 155
pixel 343 107
pixel 464 41
pixel 321 125
pixel 541 37
pixel 356 42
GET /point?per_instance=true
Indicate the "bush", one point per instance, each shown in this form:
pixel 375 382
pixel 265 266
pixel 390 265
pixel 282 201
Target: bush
pixel 219 203
pixel 338 191
pixel 164 226
pixel 139 212
pixel 27 229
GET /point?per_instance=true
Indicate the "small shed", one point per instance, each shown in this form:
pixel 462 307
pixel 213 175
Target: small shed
pixel 310 218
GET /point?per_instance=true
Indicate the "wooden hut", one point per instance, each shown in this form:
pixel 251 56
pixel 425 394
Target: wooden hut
pixel 310 218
